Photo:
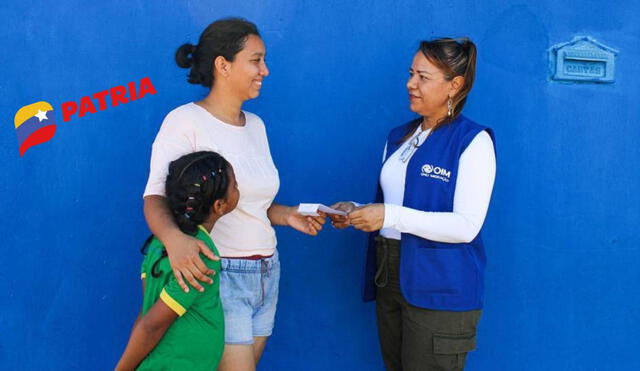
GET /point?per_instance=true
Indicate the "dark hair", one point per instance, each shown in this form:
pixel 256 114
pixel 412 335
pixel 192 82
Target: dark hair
pixel 454 57
pixel 195 181
pixel 224 37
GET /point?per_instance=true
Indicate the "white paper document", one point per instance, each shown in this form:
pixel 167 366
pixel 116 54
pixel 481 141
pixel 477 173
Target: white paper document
pixel 312 210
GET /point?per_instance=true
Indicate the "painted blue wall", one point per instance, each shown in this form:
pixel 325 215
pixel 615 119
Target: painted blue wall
pixel 562 237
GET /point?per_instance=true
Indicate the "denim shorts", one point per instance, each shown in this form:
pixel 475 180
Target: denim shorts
pixel 249 294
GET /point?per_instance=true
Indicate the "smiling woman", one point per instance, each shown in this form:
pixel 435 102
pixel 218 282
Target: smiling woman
pixel 230 60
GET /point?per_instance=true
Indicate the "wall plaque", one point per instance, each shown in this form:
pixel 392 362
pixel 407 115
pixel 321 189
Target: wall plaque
pixel 583 59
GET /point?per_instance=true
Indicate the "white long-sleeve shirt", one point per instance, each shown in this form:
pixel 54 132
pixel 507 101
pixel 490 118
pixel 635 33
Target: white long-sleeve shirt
pixel 476 176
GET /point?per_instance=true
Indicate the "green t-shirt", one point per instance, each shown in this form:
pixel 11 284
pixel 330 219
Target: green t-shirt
pixel 195 341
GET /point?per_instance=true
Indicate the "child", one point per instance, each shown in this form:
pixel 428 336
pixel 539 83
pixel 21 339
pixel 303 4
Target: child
pixel 178 330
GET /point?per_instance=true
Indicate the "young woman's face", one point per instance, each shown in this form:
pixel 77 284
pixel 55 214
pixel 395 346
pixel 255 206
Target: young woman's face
pixel 248 69
pixel 428 90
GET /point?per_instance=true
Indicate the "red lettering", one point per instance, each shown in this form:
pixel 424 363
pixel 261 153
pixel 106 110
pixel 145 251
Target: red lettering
pixel 102 104
pixel 146 87
pixel 132 91
pixel 118 95
pixel 86 106
pixel 68 109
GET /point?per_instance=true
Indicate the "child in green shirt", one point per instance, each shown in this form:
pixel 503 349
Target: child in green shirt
pixel 178 330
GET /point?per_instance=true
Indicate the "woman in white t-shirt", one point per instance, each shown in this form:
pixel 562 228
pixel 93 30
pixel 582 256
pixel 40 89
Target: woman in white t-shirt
pixel 230 60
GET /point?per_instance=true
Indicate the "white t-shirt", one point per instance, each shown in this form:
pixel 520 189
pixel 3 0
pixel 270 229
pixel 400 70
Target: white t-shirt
pixel 476 175
pixel 189 128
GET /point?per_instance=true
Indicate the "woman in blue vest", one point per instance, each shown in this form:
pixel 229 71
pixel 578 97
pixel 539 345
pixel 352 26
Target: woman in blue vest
pixel 425 261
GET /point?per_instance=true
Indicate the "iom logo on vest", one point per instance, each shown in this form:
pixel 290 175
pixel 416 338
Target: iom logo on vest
pixel 436 172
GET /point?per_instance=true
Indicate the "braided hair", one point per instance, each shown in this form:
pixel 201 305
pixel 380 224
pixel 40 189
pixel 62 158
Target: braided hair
pixel 195 181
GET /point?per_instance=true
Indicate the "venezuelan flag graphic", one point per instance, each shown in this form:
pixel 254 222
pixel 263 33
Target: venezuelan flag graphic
pixel 35 124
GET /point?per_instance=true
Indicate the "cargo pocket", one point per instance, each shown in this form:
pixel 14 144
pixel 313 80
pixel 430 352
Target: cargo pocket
pixel 455 346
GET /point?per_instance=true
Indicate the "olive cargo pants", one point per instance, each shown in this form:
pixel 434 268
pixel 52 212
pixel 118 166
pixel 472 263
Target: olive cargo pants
pixel 413 338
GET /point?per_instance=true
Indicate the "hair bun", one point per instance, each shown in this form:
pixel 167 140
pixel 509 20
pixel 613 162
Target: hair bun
pixel 184 55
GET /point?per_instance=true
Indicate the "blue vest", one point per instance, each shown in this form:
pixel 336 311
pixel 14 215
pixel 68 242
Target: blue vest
pixel 435 275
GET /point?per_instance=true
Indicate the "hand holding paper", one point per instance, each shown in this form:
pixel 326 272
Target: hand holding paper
pixel 339 221
pixel 314 209
pixel 368 218
pixel 289 216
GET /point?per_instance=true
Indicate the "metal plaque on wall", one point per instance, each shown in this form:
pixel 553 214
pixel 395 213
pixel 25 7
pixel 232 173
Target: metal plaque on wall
pixel 583 59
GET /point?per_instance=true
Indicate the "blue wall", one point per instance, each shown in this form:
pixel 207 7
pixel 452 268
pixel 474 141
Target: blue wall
pixel 562 281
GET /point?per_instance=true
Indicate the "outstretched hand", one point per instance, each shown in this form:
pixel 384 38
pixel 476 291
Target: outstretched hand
pixel 310 225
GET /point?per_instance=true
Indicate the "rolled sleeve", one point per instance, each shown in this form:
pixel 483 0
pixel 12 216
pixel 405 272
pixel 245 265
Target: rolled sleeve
pixel 172 303
pixel 176 299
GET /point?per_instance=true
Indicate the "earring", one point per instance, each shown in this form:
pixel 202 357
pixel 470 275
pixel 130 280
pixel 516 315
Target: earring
pixel 449 107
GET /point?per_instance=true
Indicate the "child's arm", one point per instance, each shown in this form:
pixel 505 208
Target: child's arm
pixel 146 334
